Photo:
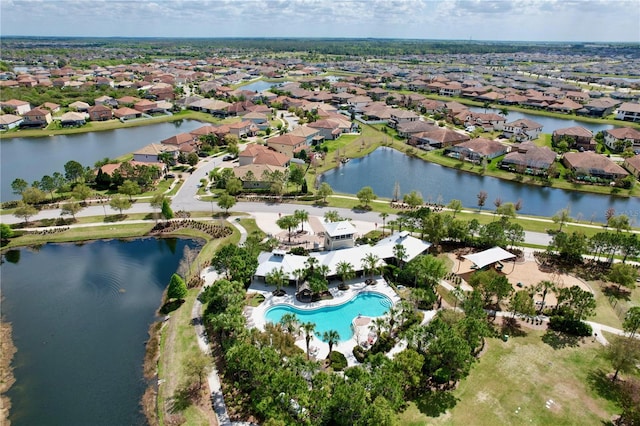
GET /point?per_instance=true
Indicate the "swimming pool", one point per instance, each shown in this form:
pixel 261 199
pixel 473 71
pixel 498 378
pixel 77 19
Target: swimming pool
pixel 337 317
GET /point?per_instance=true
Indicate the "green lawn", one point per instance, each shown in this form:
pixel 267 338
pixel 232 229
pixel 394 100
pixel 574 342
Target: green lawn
pixel 513 381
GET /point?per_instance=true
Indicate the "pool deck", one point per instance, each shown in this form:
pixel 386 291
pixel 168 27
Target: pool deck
pixel 256 316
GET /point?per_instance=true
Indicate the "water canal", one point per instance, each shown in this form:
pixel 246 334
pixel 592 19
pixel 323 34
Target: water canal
pixel 32 158
pixel 385 166
pixel 80 315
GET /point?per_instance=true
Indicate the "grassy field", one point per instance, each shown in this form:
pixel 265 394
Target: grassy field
pixel 513 381
pixel 177 343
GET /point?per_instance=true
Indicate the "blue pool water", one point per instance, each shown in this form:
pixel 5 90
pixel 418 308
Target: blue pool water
pixel 338 317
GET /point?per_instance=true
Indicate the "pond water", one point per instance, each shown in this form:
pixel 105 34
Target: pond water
pixel 550 124
pixel 259 86
pixel 32 158
pixel 80 315
pixel 385 166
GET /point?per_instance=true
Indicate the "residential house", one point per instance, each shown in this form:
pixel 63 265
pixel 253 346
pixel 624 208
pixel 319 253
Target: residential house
pixel 106 100
pixel 100 112
pixel 356 103
pixel 599 107
pixel 145 106
pixel 287 144
pixel 529 158
pixel 252 175
pixel 154 152
pixel 54 108
pixel 402 116
pixel 628 111
pixel 522 130
pixel 10 121
pixel 577 137
pixel 631 164
pixel 70 119
pixel 619 138
pixel 260 154
pixel 438 137
pixel 258 118
pixel 475 150
pixel 589 164
pixel 128 101
pixel 211 106
pixel 126 113
pixel 243 129
pixel 329 129
pixel 185 142
pixel 16 105
pixel 306 132
pixel 36 118
pixel 405 130
pixel 487 121
pixel 79 106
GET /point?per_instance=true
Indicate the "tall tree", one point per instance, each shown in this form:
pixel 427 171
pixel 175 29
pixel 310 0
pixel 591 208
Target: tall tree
pixel 624 354
pixel 129 188
pixel 366 195
pixel 562 216
pixel 581 303
pixel 455 206
pixel 277 278
pixel 73 171
pixel 544 287
pixel 33 195
pixel 345 271
pixel 521 303
pixel 198 366
pixel 70 208
pixel 24 211
pixel 226 201
pixel 81 192
pixel 166 209
pixel 48 184
pixel 619 223
pixel 287 222
pixel 324 191
pixel 400 253
pixel 120 203
pixel 18 186
pixel 302 216
pixel 413 199
pixel 156 203
pixel 631 322
pixel 309 329
pixel 384 216
pixel 426 270
pixel 623 275
pixel 370 261
pixel 331 337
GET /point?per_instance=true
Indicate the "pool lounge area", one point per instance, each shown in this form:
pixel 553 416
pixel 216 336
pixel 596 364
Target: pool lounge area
pixel 358 292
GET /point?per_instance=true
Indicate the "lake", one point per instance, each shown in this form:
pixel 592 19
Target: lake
pixel 32 158
pixel 385 166
pixel 550 124
pixel 80 315
pixel 260 85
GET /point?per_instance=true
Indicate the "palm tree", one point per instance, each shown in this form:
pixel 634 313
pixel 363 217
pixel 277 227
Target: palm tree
pixel 309 328
pixel 287 222
pixel 384 217
pixel 323 270
pixel 371 263
pixel 400 253
pixel 345 270
pixel 299 275
pixel 331 337
pixel 302 216
pixel 276 277
pixel 289 322
pixel 380 325
pixel 544 287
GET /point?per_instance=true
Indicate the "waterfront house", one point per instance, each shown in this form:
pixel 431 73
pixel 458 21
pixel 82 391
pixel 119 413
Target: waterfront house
pixel 306 132
pixel 576 136
pixel 475 150
pixel 100 112
pixel 590 164
pixel 406 130
pixel 126 113
pixel 154 152
pixel 54 108
pixel 79 106
pixel 631 164
pixel 628 111
pixel 438 137
pixel 36 118
pixel 599 107
pixel 522 130
pixel 620 138
pixel 402 116
pixel 243 129
pixel 10 121
pixel 528 158
pixel 71 118
pixel 185 142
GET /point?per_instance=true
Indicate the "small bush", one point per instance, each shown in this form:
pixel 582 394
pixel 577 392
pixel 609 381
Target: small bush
pixel 383 344
pixel 359 353
pixel 337 360
pixel 570 326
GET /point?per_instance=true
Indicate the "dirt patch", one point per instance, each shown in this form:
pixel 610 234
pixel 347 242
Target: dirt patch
pixel 6 371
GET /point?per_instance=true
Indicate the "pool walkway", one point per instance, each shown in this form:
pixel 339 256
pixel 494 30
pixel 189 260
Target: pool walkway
pixel 256 316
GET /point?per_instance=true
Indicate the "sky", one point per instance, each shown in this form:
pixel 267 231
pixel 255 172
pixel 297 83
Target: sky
pixel 504 20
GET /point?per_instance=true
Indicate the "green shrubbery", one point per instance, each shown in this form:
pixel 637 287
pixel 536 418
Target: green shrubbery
pixel 570 326
pixel 337 360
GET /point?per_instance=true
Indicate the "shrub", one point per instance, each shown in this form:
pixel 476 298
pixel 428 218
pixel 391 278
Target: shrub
pixel 570 326
pixel 383 344
pixel 359 353
pixel 300 251
pixel 337 360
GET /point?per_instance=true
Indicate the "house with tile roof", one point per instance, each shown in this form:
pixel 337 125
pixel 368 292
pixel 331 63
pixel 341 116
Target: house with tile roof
pixel 589 164
pixel 287 144
pixel 528 158
pixel 631 164
pixel 522 130
pixel 577 137
pixel 628 111
pixel 619 138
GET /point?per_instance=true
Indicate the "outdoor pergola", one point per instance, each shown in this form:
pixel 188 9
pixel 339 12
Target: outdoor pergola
pixel 488 257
